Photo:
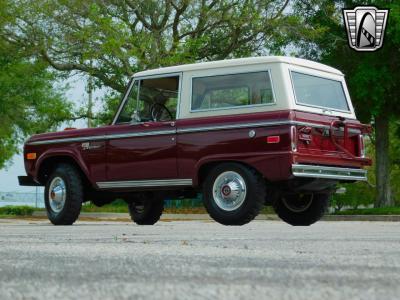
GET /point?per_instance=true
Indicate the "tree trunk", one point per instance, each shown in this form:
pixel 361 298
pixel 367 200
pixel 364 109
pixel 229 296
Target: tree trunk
pixel 383 192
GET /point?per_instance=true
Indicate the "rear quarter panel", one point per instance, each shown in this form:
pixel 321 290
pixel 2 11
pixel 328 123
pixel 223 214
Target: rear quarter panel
pixel 196 149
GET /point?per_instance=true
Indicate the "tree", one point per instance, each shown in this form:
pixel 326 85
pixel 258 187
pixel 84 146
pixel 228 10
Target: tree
pixel 373 77
pixel 112 39
pixel 28 102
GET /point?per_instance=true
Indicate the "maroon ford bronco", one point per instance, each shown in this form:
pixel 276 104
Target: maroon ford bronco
pixel 247 132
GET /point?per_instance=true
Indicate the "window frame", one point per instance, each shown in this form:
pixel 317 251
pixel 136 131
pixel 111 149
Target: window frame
pixel 123 100
pixel 132 82
pixel 268 70
pixel 323 108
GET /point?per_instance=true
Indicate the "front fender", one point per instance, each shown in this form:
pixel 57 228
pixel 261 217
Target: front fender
pixel 53 153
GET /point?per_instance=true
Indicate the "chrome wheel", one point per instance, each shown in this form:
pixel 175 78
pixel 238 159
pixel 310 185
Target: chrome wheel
pixel 57 194
pixel 299 203
pixel 229 191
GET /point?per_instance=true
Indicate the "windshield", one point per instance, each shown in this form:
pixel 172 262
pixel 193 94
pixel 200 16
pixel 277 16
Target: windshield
pixel 319 92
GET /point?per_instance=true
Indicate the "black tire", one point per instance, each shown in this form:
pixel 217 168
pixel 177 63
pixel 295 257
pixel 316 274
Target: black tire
pixel 302 209
pixel 71 209
pixel 146 209
pixel 227 212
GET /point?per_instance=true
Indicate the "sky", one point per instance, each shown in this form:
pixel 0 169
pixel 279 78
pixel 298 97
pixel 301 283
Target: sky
pixel 8 177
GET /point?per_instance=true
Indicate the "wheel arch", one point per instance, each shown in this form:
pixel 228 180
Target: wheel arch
pixel 204 168
pixel 48 163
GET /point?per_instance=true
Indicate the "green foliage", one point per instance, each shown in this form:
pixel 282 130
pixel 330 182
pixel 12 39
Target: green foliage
pixel 184 203
pixel 111 40
pixel 28 101
pixel 371 211
pixel 394 152
pixel 372 77
pixel 110 105
pixel 118 206
pixel 357 194
pixel 394 155
pixel 171 206
pixel 17 210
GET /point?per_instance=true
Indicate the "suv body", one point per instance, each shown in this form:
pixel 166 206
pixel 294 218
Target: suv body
pixel 286 122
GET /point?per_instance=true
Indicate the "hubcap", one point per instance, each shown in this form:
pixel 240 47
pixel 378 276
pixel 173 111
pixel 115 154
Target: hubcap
pixel 229 191
pixel 57 194
pixel 298 203
pixel 139 207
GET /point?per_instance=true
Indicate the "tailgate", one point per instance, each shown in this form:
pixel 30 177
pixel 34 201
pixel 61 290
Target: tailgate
pixel 337 138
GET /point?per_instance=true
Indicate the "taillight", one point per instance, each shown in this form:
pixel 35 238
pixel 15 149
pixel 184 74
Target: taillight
pixel 293 138
pixel 361 146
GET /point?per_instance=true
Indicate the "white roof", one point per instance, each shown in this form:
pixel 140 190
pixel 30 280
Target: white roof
pixel 239 62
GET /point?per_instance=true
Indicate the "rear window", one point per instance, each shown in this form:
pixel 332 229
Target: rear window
pixel 235 90
pixel 319 92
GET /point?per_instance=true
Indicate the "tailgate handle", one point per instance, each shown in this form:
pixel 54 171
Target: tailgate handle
pixel 345 127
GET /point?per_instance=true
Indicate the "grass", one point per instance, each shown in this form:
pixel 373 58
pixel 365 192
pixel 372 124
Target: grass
pixel 109 208
pixel 16 210
pixel 172 207
pixel 371 211
pixel 185 210
pixel 122 207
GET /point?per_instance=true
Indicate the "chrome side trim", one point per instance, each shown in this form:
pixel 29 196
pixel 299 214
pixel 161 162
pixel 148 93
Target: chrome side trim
pixel 337 173
pixel 233 126
pixel 138 134
pixel 69 140
pixel 183 130
pixel 255 124
pixel 103 137
pixel 144 183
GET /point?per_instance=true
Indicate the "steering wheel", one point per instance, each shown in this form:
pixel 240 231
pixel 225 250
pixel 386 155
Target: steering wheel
pixel 156 113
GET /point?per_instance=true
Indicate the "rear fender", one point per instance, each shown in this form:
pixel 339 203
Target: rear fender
pixel 269 165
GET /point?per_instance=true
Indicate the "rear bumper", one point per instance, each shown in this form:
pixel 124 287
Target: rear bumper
pixel 335 173
pixel 27 181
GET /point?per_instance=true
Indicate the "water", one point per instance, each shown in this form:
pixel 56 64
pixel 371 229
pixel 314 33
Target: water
pixel 17 199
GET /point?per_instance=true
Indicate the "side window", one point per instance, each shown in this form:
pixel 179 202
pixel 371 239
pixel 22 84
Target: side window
pixel 158 99
pixel 234 90
pixel 151 100
pixel 319 92
pixel 128 111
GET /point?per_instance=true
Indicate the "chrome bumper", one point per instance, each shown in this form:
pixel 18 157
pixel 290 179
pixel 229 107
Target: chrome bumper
pixel 329 172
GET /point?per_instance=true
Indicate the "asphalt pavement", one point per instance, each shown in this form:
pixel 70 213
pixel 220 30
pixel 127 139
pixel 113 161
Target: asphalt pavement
pixel 199 260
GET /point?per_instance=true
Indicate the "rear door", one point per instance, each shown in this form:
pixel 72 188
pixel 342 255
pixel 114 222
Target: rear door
pixel 321 98
pixel 329 136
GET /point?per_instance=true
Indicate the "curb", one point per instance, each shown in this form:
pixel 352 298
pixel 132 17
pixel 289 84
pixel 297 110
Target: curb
pixel 367 218
pixel 205 217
